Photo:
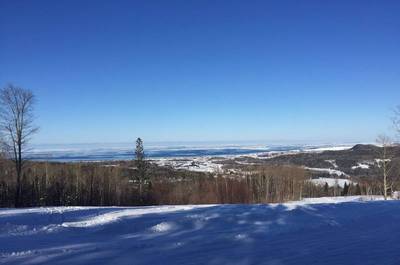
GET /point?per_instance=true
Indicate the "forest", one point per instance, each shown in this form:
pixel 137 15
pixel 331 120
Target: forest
pixel 121 184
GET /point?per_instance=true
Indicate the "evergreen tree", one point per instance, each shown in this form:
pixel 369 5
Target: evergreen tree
pixel 139 151
pixel 326 189
pixel 345 189
pixel 141 165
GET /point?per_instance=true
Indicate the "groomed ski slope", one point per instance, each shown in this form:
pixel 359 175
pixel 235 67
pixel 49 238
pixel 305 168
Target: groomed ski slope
pixel 337 231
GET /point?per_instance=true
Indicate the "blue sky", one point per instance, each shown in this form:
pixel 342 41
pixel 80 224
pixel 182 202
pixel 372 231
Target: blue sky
pixel 110 71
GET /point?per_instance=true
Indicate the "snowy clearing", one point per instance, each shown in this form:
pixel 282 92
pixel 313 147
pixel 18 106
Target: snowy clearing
pixel 333 163
pixel 198 164
pixel 330 148
pixel 327 170
pixel 340 230
pixel 332 182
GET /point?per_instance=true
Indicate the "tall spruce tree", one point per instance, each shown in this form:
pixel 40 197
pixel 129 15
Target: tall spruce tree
pixel 141 165
pixel 345 189
pixel 326 189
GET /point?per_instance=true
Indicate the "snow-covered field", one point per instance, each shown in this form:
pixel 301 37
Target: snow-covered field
pixel 341 230
pixel 198 164
pixel 332 182
pixel 329 171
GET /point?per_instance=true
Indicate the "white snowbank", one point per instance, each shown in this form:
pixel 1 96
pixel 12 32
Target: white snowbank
pixel 43 210
pixel 113 216
pixel 331 200
pixel 342 199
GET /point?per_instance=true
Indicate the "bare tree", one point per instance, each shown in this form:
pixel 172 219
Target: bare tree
pixel 384 161
pixel 17 127
pixel 2 146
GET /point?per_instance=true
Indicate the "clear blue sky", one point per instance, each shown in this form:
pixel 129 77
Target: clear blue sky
pixel 109 71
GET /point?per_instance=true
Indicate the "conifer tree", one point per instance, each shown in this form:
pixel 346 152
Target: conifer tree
pixel 141 165
pixel 326 189
pixel 345 189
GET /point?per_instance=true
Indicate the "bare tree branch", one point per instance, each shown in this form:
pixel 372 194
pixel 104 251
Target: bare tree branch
pixel 385 161
pixel 16 126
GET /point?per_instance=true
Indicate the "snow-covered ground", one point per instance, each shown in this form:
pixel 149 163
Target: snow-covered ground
pixel 331 231
pixel 199 164
pixel 332 182
pixel 330 171
pixel 361 166
pixel 333 163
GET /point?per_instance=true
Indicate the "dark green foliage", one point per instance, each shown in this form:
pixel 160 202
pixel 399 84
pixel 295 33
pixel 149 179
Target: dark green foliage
pixel 139 151
pixel 345 190
pixel 326 189
pixel 141 165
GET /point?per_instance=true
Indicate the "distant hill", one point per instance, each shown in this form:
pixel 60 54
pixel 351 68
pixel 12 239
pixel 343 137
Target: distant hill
pixel 358 161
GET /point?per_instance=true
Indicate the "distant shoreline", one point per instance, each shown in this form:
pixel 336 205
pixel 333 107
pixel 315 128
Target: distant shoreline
pixel 101 153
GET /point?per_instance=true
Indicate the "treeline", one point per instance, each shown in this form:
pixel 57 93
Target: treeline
pixel 264 184
pixel 102 184
pixel 48 184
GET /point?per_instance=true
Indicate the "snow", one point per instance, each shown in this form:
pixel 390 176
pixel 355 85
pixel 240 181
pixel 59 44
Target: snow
pixel 380 161
pixel 396 195
pixel 330 148
pixel 306 202
pixel 198 164
pixel 43 210
pixel 333 163
pixel 162 227
pixel 332 182
pixel 328 170
pixel 332 230
pixel 208 164
pixel 102 219
pixel 361 166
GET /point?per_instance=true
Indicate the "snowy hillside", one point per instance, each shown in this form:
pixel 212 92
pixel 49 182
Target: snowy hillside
pixel 346 230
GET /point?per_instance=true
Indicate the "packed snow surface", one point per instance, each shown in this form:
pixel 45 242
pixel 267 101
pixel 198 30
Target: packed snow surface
pixel 340 230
